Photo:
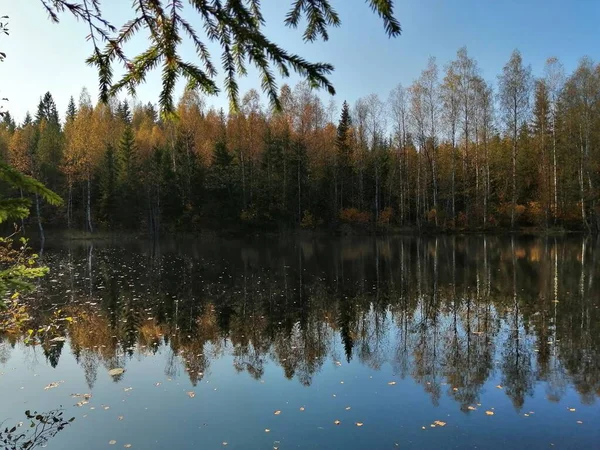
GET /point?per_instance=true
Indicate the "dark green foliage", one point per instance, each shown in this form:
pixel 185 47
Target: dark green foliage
pixel 71 109
pixel 109 200
pixel 237 27
pixel 47 110
pixel 8 122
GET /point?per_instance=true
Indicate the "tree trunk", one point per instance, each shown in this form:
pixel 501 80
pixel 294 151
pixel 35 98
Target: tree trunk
pixel 89 205
pixel 69 205
pixel 39 219
pixel 555 209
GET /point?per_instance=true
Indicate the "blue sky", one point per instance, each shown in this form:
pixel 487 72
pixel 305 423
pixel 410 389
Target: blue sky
pixel 44 57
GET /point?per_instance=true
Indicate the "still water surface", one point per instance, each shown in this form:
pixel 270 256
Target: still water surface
pixel 313 343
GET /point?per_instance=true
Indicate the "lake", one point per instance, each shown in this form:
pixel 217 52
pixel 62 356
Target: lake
pixel 302 343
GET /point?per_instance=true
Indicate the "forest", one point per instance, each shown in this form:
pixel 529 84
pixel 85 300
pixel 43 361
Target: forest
pixel 451 151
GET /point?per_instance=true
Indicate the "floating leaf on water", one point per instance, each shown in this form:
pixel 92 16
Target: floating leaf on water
pixel 348 408
pixel 302 408
pixel 572 409
pixel 112 442
pixel 120 418
pixel 267 430
pixel 116 372
pixel 337 363
pixel 439 423
pixel 359 424
pixel 53 385
pixel 127 389
pixel 277 412
pixel 499 387
pixel 337 422
pixel 579 422
pixel 490 413
pixel 392 383
pixel 127 446
pixel 191 394
pixel 472 408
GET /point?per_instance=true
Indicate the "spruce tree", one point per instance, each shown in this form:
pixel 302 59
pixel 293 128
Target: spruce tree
pixel 237 27
pixel 125 179
pixel 8 122
pixel 344 169
pixel 108 188
pixel 71 110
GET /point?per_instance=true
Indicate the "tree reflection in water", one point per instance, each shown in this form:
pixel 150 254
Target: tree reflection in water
pixel 447 311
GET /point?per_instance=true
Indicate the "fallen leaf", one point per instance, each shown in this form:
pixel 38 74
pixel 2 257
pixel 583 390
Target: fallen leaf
pixel 490 413
pixel 277 412
pixel 337 422
pixel 439 423
pixel 572 409
pixel 359 424
pixel 472 408
pixel 302 408
pixel 499 387
pixel 127 446
pixel 120 418
pixel 191 394
pixel 116 372
pixel 392 383
pixel 267 430
pixel 348 408
pixel 113 442
pixel 579 422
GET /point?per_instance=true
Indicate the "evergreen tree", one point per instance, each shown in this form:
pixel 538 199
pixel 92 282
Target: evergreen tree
pixel 71 109
pixel 47 110
pixel 8 122
pixel 108 188
pixel 231 22
pixel 344 169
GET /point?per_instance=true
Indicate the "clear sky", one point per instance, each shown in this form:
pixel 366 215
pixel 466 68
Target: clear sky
pixel 44 57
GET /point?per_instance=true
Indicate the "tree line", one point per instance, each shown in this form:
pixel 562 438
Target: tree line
pixel 451 151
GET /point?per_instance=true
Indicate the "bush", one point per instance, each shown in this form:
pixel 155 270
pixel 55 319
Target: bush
pixel 385 217
pixel 308 220
pixel 355 216
pixel 431 215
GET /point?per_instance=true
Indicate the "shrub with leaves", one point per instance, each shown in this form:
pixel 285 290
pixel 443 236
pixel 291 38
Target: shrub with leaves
pixel 35 432
pixel 17 265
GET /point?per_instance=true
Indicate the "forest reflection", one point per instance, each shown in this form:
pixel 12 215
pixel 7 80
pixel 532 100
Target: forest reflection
pixel 448 312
